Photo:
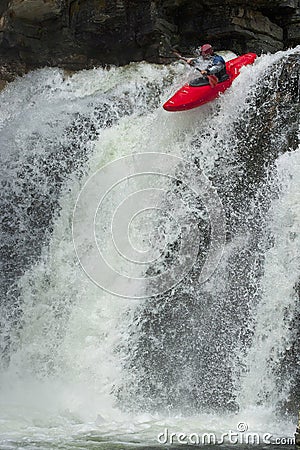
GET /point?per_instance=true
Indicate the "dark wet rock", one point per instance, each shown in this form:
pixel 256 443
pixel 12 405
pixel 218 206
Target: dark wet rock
pixel 34 11
pixel 77 34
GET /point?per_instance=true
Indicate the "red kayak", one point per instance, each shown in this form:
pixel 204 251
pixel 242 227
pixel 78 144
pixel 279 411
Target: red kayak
pixel 191 96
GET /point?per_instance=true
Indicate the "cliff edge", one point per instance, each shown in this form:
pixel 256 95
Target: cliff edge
pixel 78 34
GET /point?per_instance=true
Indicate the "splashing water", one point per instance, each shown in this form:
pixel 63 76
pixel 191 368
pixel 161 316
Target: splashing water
pixel 61 336
pixel 277 308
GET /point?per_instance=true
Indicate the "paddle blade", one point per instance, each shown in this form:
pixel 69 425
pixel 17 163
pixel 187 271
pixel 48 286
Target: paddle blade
pixel 213 80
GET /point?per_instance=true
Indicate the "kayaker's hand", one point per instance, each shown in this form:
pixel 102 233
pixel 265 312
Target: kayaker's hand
pixel 203 72
pixel 190 61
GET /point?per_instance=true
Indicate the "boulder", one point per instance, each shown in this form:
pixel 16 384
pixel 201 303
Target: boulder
pixel 34 10
pixel 292 26
pixel 256 22
pixel 3 23
pixel 293 33
pixel 240 29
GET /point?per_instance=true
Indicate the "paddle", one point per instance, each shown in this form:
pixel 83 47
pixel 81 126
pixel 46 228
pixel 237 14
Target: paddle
pixel 213 80
pixel 181 57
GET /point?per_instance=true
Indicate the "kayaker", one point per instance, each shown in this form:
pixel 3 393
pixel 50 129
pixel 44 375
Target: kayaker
pixel 216 68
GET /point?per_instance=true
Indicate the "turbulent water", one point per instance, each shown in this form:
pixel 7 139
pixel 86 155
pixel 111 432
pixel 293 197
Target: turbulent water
pixel 82 367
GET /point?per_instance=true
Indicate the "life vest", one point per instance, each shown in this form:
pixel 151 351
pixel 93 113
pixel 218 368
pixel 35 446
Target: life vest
pixel 218 67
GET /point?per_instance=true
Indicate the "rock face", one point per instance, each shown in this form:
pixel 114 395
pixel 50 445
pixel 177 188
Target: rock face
pixel 77 34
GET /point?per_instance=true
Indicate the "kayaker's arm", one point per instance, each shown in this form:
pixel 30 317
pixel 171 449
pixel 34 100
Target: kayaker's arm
pixel 189 61
pixel 213 81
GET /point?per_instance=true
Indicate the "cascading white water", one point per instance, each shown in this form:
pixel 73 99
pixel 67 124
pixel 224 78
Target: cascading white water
pixel 64 364
pixel 277 308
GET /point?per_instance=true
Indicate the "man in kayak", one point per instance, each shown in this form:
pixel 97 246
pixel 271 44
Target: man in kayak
pixel 216 68
pixel 216 64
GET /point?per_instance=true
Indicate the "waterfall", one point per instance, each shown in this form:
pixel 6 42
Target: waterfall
pixel 80 363
pixel 274 333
